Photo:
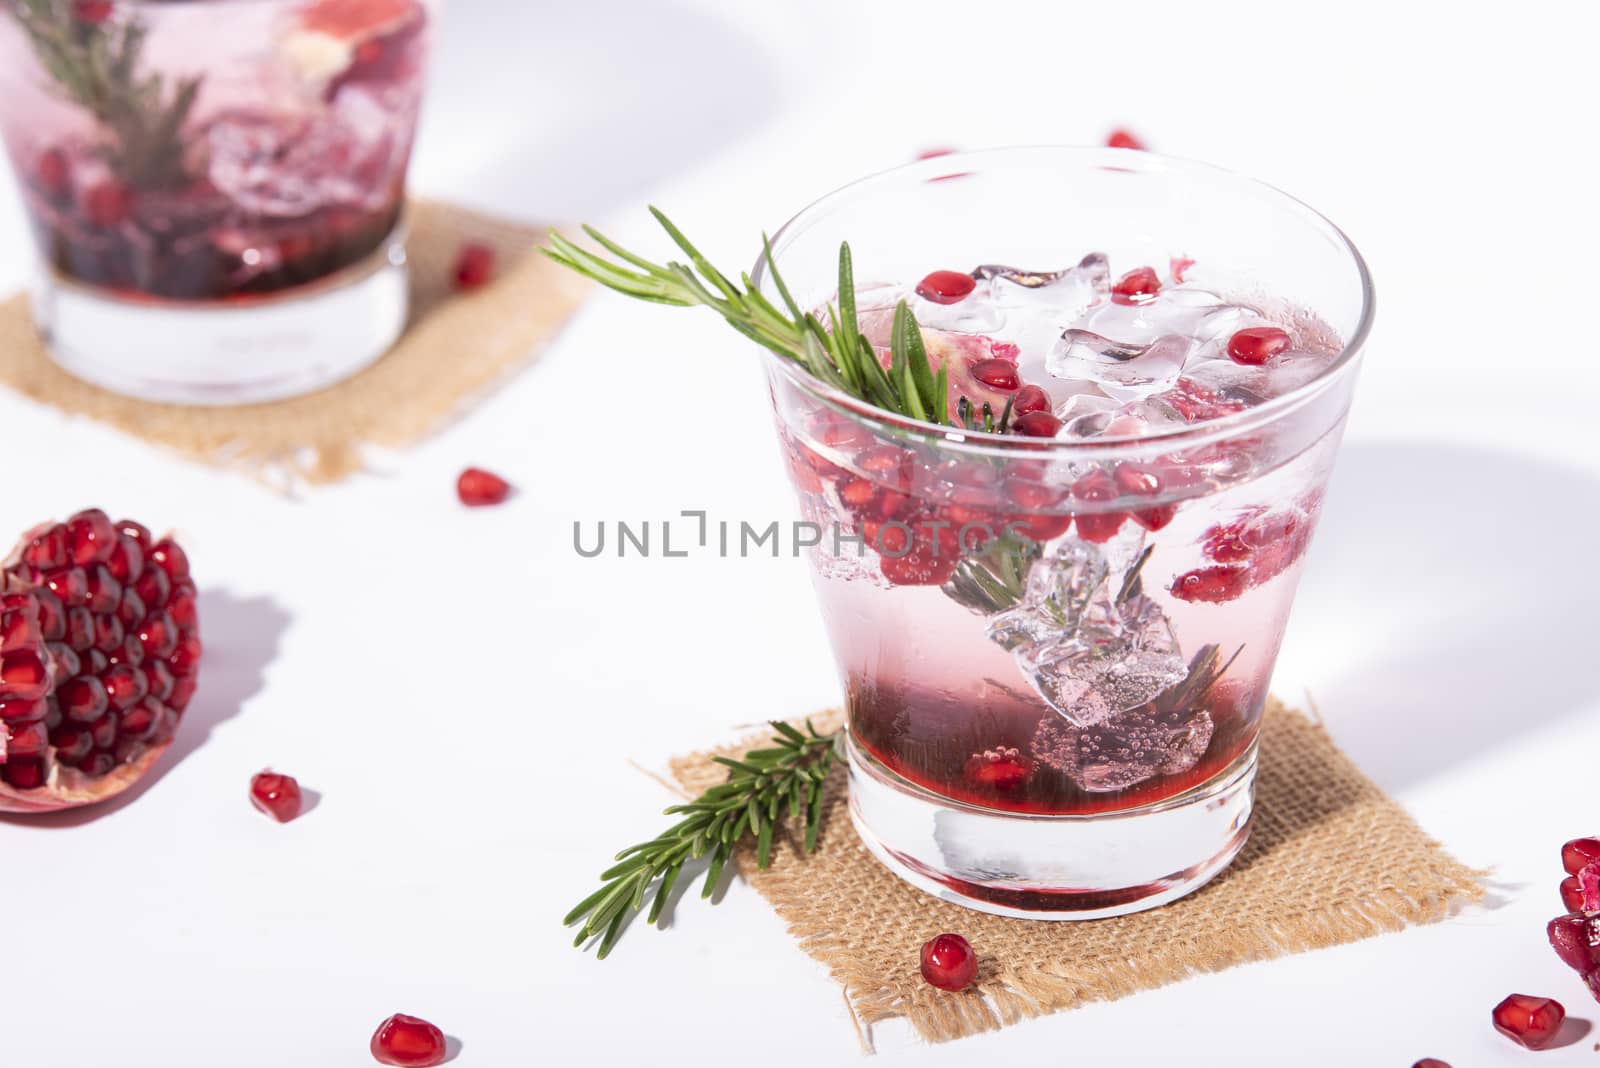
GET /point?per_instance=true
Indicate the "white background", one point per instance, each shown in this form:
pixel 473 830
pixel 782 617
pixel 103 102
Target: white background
pixel 463 690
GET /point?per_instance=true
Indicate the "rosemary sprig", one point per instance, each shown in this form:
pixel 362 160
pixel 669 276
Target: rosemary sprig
pixel 764 787
pixel 834 351
pixel 96 66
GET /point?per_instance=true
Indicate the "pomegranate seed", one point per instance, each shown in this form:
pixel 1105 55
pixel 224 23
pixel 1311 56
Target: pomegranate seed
pixel 477 487
pixel 137 531
pixel 1036 424
pixel 1576 939
pixel 83 699
pixel 474 266
pixel 408 1041
pixel 126 562
pixel 948 962
pixel 48 551
pixel 107 203
pixel 857 494
pixel 53 172
pixel 1579 853
pixel 181 607
pixel 1030 398
pixel 1124 139
pixel 997 374
pixel 1097 487
pixel 1211 585
pixel 92 12
pixel 1256 345
pixel 73 745
pixel 185 659
pixel 90 537
pixel 1138 286
pixel 1572 894
pixel 1529 1021
pixel 946 287
pixel 276 795
pixel 171 559
pixel 934 153
pixel 1431 1062
pixel 1179 267
pixel 998 769
pixel 16 710
pixel 23 675
pixel 1589 887
pixel 23 774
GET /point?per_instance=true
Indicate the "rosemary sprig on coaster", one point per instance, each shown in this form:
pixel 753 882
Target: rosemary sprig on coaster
pixel 95 64
pixel 765 787
pixel 836 352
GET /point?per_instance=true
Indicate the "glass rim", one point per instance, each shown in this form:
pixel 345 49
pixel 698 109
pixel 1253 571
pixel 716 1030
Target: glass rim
pixel 956 164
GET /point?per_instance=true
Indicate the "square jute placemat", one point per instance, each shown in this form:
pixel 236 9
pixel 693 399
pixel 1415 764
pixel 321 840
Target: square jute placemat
pixel 456 346
pixel 1331 859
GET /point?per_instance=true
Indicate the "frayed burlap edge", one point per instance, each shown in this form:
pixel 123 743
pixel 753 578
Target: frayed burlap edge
pixel 455 348
pixel 1331 859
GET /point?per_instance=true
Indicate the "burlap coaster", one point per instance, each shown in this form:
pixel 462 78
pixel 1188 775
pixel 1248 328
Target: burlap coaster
pixel 1331 859
pixel 455 346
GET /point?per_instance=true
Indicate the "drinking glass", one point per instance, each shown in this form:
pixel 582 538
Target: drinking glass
pixel 1056 651
pixel 215 187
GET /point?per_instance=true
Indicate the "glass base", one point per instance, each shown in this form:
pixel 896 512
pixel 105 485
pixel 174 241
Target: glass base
pixel 1052 867
pixel 224 352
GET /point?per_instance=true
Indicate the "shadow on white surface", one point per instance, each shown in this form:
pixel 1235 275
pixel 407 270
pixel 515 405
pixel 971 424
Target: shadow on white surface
pixel 1458 586
pixel 560 110
pixel 452 1048
pixel 1574 1029
pixel 241 636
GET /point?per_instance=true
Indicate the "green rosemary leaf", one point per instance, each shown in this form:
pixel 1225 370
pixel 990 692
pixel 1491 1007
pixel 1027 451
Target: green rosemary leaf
pixel 701 264
pixel 788 732
pixel 764 846
pixel 714 872
pixel 663 891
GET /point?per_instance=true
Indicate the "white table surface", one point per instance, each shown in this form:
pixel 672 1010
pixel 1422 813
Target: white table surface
pixel 463 690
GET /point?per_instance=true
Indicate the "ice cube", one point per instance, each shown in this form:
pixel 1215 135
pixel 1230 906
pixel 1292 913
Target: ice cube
pixel 1128 750
pixel 1126 370
pixel 1086 637
pixel 1063 295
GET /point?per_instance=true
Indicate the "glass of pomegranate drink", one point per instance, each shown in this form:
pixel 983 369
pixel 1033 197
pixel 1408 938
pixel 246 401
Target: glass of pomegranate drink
pixel 1056 614
pixel 215 186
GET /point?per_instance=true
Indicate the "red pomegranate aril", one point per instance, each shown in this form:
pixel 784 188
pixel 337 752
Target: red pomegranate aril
pixel 108 634
pixel 185 660
pixel 90 537
pixel 92 12
pixel 158 679
pixel 98 764
pixel 159 636
pixel 1138 286
pixel 1579 853
pixel 126 562
pixel 1001 769
pixel 948 962
pixel 72 745
pixel 1123 139
pixel 23 675
pixel 474 266
pixel 19 710
pixel 181 607
pixel 1529 1021
pixel 28 742
pixel 70 584
pixel 48 551
pixel 104 730
pixel 997 374
pixel 54 173
pixel 140 721
pixel 131 610
pixel 1572 894
pixel 857 494
pixel 107 203
pixel 82 699
pixel 1036 424
pixel 124 685
pixel 23 774
pixel 1576 939
pixel 153 587
pixel 1212 585
pixel 477 487
pixel 80 629
pixel 137 531
pixel 276 795
pixel 182 692
pixel 52 616
pixel 1029 398
pixel 1256 345
pixel 1431 1062
pixel 946 287
pixel 103 592
pixel 167 555
pixel 408 1042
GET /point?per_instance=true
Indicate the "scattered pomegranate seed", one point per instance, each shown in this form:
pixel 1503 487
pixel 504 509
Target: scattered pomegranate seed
pixel 1138 286
pixel 1576 939
pixel 1097 487
pixel 948 962
pixel 997 374
pixel 1431 1062
pixel 1124 139
pixel 92 12
pixel 1529 1021
pixel 408 1041
pixel 477 487
pixel 1212 585
pixel 946 287
pixel 276 795
pixel 107 203
pixel 1255 345
pixel 931 153
pixel 54 173
pixel 1030 398
pixel 1035 424
pixel 1572 894
pixel 1579 853
pixel 474 266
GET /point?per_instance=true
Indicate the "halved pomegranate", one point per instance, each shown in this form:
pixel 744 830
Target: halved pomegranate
pixel 99 650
